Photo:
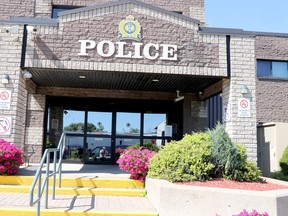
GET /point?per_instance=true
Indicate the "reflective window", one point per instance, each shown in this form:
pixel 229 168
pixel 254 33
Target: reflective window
pixel 279 69
pixel 263 68
pixel 73 121
pixel 128 124
pixel 99 123
pixel 57 9
pixel 125 142
pixel 276 69
pixel 99 148
pixel 154 124
pixel 74 148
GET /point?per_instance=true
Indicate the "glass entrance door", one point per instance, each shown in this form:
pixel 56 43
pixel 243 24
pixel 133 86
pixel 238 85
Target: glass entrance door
pixel 99 140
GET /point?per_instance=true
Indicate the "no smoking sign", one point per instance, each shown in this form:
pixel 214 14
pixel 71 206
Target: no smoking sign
pixel 244 107
pixel 5 99
pixel 5 125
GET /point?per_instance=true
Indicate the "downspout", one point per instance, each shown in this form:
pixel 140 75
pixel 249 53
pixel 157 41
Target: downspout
pixel 22 65
pixel 228 55
pixel 24 47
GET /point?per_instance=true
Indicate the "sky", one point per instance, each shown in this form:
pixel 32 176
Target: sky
pixel 250 15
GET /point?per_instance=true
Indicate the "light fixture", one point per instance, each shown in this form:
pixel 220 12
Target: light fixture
pixel 244 89
pixel 155 80
pixel 82 77
pixel 12 29
pixel 26 74
pixel 178 98
pixel 5 79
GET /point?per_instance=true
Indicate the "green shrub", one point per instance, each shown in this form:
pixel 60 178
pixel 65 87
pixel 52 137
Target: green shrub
pixel 279 175
pixel 147 145
pixel 225 155
pixel 284 162
pixel 184 160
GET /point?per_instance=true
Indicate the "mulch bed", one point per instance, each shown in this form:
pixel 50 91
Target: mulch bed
pixel 224 183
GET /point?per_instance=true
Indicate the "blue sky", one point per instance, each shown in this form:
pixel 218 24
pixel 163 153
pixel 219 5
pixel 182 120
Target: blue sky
pixel 250 15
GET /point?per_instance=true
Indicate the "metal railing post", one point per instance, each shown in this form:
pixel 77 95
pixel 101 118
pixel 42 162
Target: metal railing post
pixel 47 178
pixel 38 176
pixel 54 176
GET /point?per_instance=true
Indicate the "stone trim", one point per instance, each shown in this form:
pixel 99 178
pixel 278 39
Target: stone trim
pixel 122 67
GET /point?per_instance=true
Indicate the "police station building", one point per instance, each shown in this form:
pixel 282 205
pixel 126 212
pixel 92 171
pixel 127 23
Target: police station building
pixel 115 73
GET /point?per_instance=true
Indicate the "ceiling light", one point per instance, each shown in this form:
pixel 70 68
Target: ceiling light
pixel 82 77
pixel 26 74
pixel 155 80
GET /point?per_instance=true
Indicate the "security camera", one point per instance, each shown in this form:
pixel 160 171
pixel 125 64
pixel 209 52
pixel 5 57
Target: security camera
pixel 12 29
pixel 31 29
pixel 178 98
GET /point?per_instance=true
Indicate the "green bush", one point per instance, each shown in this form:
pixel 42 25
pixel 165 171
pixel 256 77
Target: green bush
pixel 279 175
pixel 284 162
pixel 203 156
pixel 247 170
pixel 147 145
pixel 184 160
pixel 225 155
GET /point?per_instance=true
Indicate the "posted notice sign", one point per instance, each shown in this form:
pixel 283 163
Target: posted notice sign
pixel 5 125
pixel 244 109
pixel 5 99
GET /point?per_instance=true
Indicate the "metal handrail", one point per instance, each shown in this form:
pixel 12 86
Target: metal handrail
pixel 57 169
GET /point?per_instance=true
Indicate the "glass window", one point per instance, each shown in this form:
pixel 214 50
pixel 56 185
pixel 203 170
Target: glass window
pixel 74 148
pixel 263 68
pixel 276 69
pixel 99 123
pixel 154 124
pixel 57 9
pixel 99 148
pixel 128 124
pixel 279 69
pixel 73 121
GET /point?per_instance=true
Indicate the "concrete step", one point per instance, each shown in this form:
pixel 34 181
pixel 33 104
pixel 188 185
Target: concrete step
pixel 78 190
pixel 76 182
pixel 17 204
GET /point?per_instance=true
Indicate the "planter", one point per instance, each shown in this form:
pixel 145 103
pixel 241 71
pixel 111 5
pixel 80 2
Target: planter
pixel 170 199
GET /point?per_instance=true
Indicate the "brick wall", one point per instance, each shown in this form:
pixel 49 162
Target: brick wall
pixel 272 95
pixel 43 8
pixel 35 124
pixel 241 129
pixel 20 8
pixel 198 54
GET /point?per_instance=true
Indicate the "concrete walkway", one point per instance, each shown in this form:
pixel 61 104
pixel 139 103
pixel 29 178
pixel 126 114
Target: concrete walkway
pixel 81 203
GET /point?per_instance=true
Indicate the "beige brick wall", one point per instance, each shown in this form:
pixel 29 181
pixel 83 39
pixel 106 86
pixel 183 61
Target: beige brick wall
pixel 20 8
pixel 10 55
pixel 241 129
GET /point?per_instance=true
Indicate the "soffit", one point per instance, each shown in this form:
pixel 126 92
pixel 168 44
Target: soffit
pixel 120 80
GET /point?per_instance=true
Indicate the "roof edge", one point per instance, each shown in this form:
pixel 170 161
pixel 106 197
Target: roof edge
pixel 120 2
pixel 224 31
pixel 29 20
pixel 232 31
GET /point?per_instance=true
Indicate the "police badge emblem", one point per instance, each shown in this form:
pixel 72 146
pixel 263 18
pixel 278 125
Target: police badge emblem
pixel 129 29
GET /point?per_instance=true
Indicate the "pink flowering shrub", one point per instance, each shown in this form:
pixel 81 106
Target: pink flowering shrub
pixel 253 213
pixel 10 158
pixel 136 162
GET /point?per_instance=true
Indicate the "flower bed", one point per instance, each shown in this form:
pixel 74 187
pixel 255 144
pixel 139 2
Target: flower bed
pixel 10 158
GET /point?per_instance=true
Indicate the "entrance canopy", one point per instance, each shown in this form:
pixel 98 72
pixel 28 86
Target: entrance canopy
pixel 119 81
